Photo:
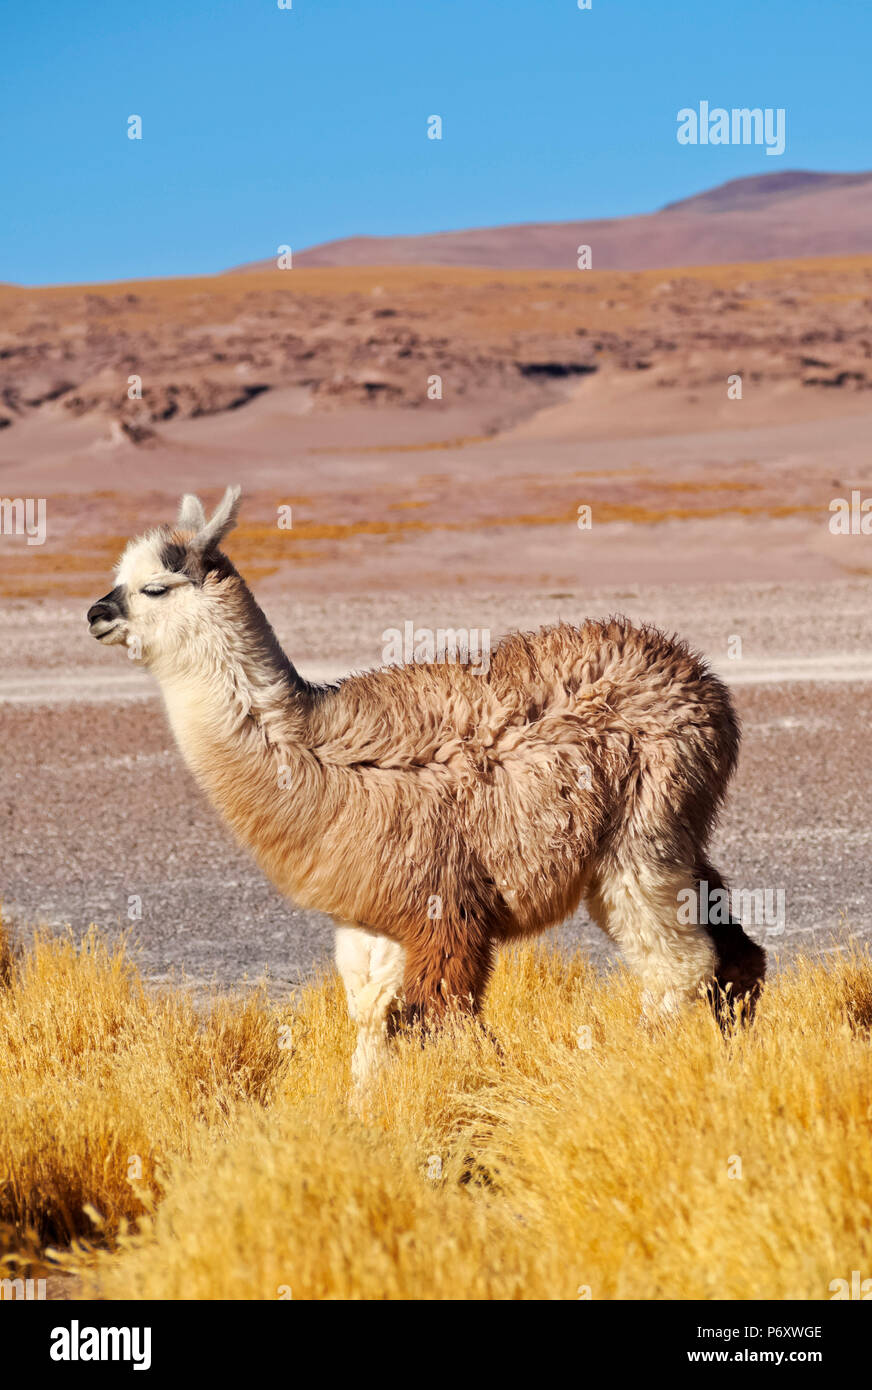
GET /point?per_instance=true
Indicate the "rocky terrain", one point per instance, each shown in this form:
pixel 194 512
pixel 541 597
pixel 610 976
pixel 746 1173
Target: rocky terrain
pixel 138 358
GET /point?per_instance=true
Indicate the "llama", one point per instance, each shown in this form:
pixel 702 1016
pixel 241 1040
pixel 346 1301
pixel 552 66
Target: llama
pixel 434 813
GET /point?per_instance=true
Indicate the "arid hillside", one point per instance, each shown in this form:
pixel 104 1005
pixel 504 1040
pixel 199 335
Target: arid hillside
pixel 796 213
pixel 427 425
pixel 505 344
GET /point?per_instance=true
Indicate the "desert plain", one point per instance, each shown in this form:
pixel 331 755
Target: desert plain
pixel 450 447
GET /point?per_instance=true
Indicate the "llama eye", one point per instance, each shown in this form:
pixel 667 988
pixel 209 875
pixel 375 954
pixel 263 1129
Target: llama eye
pixel 154 590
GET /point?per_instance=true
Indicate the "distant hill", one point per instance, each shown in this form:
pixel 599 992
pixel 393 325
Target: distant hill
pixel 762 190
pixel 792 213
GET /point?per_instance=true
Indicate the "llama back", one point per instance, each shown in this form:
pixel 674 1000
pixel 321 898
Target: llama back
pixel 684 733
pixel 658 691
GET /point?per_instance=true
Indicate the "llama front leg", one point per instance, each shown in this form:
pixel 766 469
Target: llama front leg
pixel 446 970
pixel 371 967
pixel 642 908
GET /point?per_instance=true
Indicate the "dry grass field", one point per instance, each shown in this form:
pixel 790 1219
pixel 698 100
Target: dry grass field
pixel 157 1148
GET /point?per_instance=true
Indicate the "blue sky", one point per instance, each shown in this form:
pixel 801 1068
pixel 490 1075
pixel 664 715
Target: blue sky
pixel 264 126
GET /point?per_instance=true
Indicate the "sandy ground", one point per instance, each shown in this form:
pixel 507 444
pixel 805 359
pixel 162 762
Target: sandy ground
pixel 688 505
pixel 97 807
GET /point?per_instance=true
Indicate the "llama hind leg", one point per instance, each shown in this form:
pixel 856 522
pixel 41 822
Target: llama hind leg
pixel 741 964
pixel 372 968
pixel 640 906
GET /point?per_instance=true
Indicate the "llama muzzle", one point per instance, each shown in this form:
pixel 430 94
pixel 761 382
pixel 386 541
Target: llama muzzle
pixel 107 612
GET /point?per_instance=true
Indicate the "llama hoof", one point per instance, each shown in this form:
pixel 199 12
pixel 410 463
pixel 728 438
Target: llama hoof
pixel 360 1103
pixel 731 1008
pixel 664 1006
pixel 362 1092
pixel 738 981
pixel 371 1055
pixel 492 1038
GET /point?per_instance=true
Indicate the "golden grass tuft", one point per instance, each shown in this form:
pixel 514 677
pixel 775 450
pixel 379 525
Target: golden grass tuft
pixel 582 1152
pixel 100 1079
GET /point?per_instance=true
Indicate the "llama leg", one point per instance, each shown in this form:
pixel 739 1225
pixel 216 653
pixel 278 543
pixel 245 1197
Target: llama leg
pixel 446 971
pixel 644 908
pixel 741 964
pixel 371 967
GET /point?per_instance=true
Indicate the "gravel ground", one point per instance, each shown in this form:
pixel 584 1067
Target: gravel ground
pixel 97 808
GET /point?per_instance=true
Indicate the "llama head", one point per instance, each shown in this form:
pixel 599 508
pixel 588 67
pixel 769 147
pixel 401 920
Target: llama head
pixel 168 583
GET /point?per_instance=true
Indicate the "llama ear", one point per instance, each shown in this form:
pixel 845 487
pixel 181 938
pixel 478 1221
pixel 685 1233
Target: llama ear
pixel 223 520
pixel 191 516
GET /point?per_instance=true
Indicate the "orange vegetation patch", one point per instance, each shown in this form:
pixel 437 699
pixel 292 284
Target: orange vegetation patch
pixel 79 562
pixel 501 295
pixel 458 443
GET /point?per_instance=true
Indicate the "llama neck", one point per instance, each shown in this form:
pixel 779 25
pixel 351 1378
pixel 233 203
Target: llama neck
pixel 236 661
pixel 237 707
